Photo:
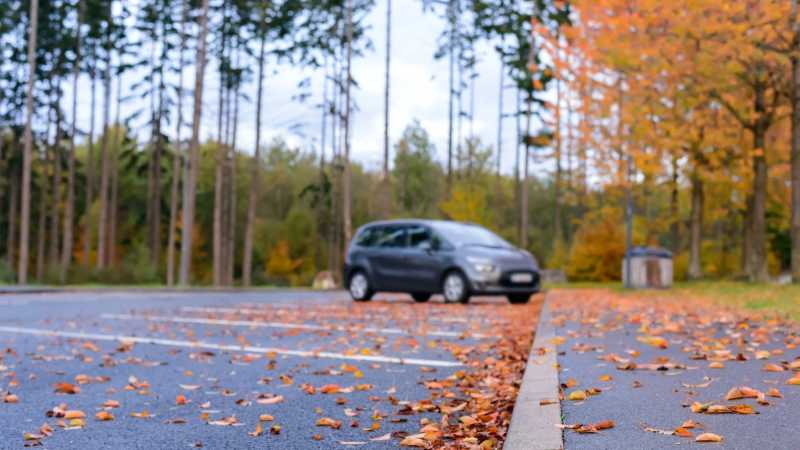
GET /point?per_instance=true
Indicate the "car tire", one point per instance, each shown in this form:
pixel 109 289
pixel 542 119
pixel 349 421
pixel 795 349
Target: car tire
pixel 359 287
pixel 519 299
pixel 455 287
pixel 421 297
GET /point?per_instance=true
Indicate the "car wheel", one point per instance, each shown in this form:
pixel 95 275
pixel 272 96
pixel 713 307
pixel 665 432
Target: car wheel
pixel 421 297
pixel 455 288
pixel 359 287
pixel 519 299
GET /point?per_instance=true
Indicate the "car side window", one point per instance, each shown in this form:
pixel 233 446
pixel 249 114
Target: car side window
pixel 419 237
pixel 391 236
pixel 367 237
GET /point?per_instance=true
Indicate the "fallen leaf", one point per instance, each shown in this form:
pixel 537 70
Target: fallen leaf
pixel 708 437
pixel 654 341
pixel 328 422
pixel 771 367
pixel 74 414
pixel 741 392
pixel 576 396
pixel 270 400
pixel 66 388
pixel 411 441
pixel 104 416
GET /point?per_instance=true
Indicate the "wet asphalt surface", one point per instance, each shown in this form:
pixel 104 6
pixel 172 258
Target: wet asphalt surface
pixel 636 399
pixel 220 383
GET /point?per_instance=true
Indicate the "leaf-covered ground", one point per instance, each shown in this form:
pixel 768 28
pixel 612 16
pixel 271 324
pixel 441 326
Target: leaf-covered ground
pixel 255 370
pixel 662 369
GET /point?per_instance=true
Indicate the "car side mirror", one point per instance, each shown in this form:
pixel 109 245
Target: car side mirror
pixel 425 246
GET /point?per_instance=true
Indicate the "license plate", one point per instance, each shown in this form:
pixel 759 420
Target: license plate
pixel 521 278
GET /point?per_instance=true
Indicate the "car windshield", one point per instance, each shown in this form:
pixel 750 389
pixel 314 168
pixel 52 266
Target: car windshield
pixel 464 234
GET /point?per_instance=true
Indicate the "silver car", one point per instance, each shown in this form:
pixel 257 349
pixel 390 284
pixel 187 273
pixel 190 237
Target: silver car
pixel 426 257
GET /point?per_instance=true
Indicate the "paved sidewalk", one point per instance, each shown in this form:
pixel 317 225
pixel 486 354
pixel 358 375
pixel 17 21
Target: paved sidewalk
pixel 647 362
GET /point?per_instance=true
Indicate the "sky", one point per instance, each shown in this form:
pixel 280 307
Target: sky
pixel 419 85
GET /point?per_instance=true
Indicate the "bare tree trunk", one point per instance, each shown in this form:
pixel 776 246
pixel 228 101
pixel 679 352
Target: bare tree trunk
pixel 450 107
pixel 795 158
pixel 69 211
pixel 517 179
pixel 13 205
pixel 193 160
pixel 87 239
pixel 25 219
pixel 55 206
pixel 673 208
pixel 255 173
pixel 524 194
pixel 346 181
pixel 500 113
pixel 42 225
pixel 176 160
pixel 759 271
pixel 102 223
pixel 557 225
pixel 747 236
pixel 387 84
pixel 113 207
pixel 219 173
pixel 230 249
pixel 696 235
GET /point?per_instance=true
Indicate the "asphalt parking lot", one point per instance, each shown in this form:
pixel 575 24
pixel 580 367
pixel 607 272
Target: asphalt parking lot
pixel 274 369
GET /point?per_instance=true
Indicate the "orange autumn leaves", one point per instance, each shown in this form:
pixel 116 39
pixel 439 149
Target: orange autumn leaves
pixel 688 333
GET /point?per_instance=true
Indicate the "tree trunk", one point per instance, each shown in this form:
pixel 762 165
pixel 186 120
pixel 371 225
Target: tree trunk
pixel 69 208
pixel 41 232
pixel 696 226
pixel 747 236
pixel 500 112
pixel 191 167
pixel 13 205
pixel 255 173
pixel 557 225
pixel 387 84
pixel 87 238
pixel 673 208
pixel 55 205
pixel 176 160
pixel 113 209
pixel 346 175
pixel 758 269
pixel 218 170
pixel 230 237
pixel 105 162
pixel 795 158
pixel 450 90
pixel 524 191
pixel 25 219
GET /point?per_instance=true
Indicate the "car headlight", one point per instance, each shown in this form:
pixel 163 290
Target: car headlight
pixel 481 265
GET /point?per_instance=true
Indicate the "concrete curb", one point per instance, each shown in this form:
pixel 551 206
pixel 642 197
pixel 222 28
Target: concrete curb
pixel 533 425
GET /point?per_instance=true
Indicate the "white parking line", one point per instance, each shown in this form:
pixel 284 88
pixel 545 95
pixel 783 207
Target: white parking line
pixel 223 310
pixel 226 347
pixel 295 326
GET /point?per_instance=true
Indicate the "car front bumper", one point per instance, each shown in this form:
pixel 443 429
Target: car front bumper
pixel 502 284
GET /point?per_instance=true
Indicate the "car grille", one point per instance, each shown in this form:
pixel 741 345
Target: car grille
pixel 505 278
